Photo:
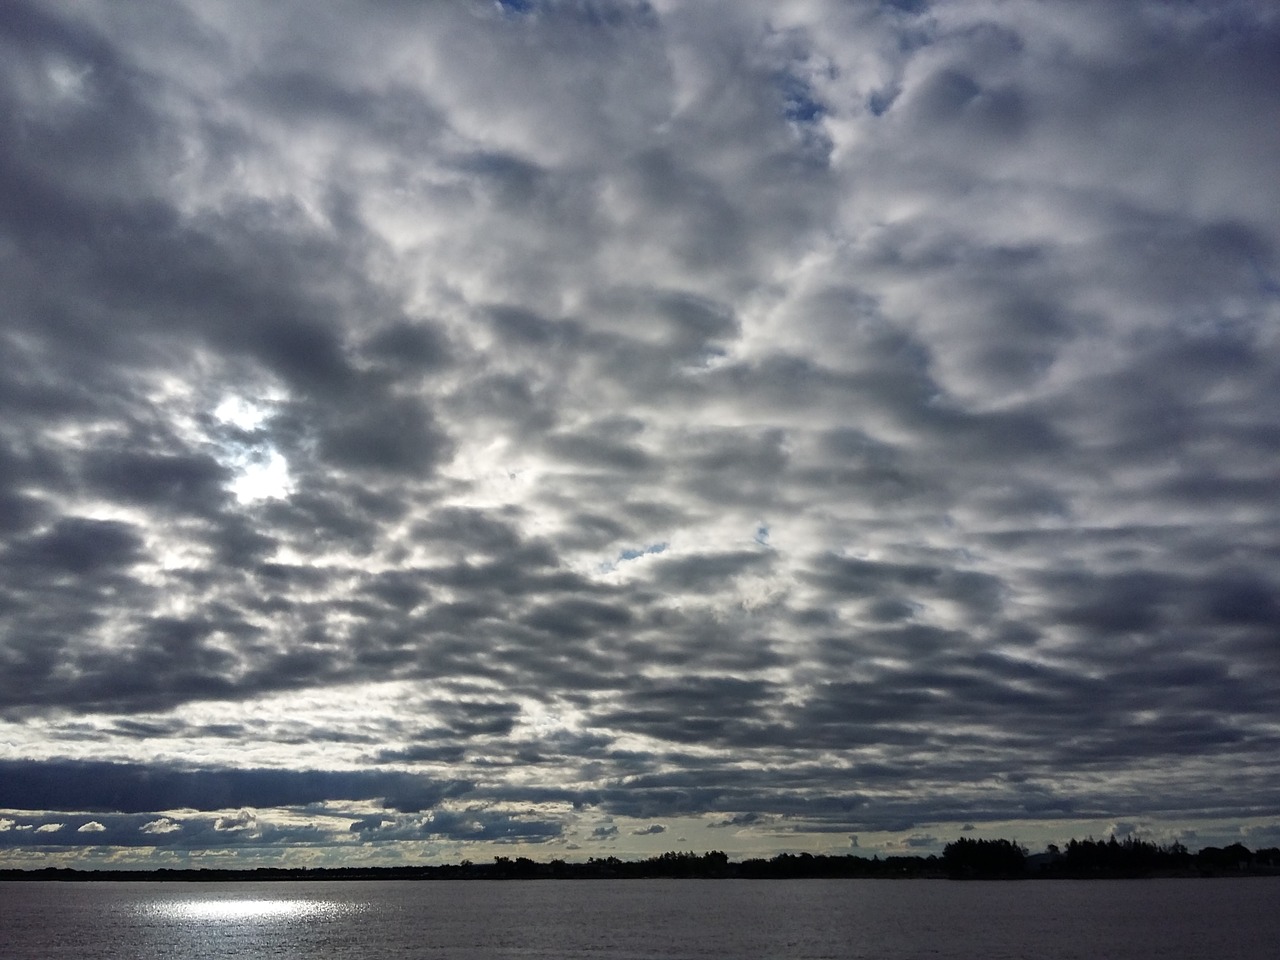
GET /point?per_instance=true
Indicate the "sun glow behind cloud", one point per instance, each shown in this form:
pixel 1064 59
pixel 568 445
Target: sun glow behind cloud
pixel 261 471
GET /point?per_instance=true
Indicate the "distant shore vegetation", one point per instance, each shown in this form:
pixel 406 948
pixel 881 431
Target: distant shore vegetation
pixel 963 859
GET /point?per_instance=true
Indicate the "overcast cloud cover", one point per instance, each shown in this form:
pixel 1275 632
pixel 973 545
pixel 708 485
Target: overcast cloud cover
pixel 592 427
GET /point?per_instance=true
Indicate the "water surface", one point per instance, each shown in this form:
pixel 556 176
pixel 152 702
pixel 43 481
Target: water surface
pixel 1224 919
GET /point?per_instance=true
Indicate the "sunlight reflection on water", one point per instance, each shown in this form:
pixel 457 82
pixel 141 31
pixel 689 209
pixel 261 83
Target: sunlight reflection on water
pixel 242 910
pixel 249 921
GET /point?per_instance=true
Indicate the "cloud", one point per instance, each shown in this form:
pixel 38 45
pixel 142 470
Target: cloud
pixel 922 841
pixel 846 417
pixel 479 825
pixel 161 826
pixel 741 820
pixel 243 820
pixel 652 830
pixel 134 788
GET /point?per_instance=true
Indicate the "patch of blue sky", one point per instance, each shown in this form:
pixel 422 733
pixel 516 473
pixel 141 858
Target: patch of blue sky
pixel 881 100
pixel 804 112
pixel 799 103
pixel 1267 284
pixel 516 7
pixel 907 6
pixel 636 554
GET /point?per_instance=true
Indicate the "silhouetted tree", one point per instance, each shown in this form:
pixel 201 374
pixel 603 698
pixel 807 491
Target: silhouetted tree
pixel 966 859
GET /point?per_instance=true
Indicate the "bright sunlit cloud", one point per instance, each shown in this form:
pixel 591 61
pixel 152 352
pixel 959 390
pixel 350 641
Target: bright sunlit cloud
pixel 261 474
pixel 261 471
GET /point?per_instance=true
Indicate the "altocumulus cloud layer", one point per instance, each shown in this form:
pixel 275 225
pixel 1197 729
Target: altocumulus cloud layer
pixel 596 424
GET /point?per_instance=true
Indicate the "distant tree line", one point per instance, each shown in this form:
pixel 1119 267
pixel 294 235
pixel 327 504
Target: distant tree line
pixel 966 859
pixel 1133 857
pixel 1110 858
pixel 963 859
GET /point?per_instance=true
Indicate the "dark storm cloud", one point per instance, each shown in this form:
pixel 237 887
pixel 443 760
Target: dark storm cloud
pixel 171 480
pixel 825 416
pixel 699 572
pixel 79 546
pixel 693 709
pixel 133 788
pixel 849 576
pixel 398 436
pixel 482 825
pixel 472 824
pixel 740 820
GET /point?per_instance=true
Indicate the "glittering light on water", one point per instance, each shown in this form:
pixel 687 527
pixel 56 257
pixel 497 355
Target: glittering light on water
pixel 227 910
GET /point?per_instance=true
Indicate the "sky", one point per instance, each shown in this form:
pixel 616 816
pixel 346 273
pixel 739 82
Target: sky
pixel 587 428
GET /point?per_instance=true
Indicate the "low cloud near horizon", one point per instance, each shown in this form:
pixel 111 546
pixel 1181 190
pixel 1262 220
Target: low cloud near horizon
pixel 438 429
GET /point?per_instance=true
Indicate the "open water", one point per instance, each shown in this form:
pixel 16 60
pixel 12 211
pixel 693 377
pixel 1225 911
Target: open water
pixel 1223 919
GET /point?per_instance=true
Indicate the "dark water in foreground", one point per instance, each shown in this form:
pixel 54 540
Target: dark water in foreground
pixel 740 919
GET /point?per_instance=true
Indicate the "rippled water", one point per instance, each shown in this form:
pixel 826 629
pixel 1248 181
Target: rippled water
pixel 740 919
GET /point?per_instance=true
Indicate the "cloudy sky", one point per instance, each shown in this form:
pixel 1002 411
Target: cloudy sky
pixel 572 428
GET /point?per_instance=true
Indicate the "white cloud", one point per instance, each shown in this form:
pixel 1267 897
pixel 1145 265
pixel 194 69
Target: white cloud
pixel 160 826
pixel 244 820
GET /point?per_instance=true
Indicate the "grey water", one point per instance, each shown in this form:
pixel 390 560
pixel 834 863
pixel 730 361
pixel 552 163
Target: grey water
pixel 1226 919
